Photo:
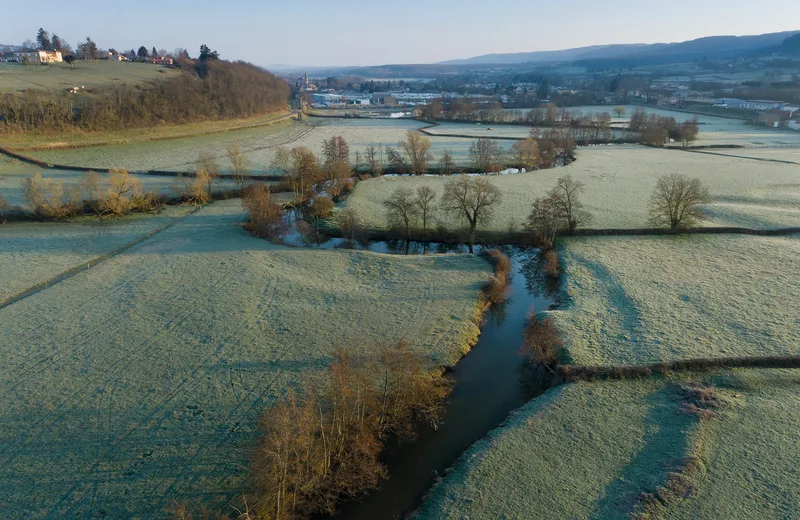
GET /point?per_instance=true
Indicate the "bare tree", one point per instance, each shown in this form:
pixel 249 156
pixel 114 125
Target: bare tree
pixel 526 154
pixel 301 168
pixel 566 196
pixel 486 154
pixel 335 150
pixel 424 201
pixel 619 111
pixel 266 216
pixel 401 209
pixel 417 150
pixel 676 201
pixel 375 159
pixel 207 162
pixel 446 164
pixel 240 163
pixel 470 198
pixel 396 160
pixel 544 221
pixel 350 224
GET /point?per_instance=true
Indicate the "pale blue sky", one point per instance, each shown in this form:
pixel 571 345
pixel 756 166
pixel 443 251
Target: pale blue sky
pixel 356 32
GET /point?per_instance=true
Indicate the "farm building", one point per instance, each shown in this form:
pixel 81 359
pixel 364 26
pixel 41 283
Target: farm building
pixel 338 100
pixel 384 98
pixel 39 56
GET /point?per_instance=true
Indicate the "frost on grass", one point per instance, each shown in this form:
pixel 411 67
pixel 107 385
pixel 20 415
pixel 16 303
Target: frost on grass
pixel 589 450
pixel 138 382
pixel 32 252
pixel 14 174
pixel 619 181
pixel 752 466
pixel 637 300
pixel 583 450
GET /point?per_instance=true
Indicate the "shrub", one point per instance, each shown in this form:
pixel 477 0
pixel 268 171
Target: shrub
pixel 121 191
pixel 266 217
pixel 550 263
pixel 542 344
pixel 496 290
pixel 48 198
pixel 5 209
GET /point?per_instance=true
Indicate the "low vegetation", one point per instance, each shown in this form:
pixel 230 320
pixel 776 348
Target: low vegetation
pixel 625 306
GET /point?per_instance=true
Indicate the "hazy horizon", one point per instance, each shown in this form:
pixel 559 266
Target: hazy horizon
pixel 353 33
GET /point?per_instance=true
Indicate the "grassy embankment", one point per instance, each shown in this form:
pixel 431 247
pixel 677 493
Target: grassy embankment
pixel 138 382
pixel 595 450
pixel 619 182
pixel 601 449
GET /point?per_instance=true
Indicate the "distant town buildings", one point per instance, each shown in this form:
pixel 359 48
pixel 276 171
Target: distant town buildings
pixel 40 57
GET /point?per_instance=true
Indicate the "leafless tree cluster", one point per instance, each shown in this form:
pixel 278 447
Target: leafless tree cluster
pixel 323 447
pixel 266 216
pixel 677 201
pixel 486 155
pixel 405 209
pixel 542 344
pixel 471 199
pixel 118 194
pixel 240 164
pixel 656 130
pixel 336 168
pixel 560 210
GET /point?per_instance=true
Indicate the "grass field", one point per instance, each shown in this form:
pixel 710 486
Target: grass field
pixel 137 382
pixel 32 253
pixel 632 300
pixel 752 467
pixel 619 181
pixel 259 143
pixel 580 451
pixel 13 175
pixel 587 450
pixel 89 74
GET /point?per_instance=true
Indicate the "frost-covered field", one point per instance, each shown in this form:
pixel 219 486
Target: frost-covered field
pixel 633 300
pixel 789 154
pixel 258 143
pixel 583 450
pixel 619 181
pixel 14 174
pixel 138 382
pixel 713 130
pixel 32 253
pixel 588 450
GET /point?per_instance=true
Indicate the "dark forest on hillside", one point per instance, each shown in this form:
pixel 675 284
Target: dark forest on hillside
pixel 206 90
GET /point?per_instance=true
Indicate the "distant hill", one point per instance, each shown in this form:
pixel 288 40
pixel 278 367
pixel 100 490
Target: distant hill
pixel 718 47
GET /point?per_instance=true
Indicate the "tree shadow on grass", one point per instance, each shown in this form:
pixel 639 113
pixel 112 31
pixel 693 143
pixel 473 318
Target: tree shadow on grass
pixel 629 316
pixel 665 443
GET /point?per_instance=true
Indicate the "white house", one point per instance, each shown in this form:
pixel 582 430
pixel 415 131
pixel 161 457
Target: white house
pixel 39 56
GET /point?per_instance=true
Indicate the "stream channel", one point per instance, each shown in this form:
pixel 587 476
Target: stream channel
pixel 490 382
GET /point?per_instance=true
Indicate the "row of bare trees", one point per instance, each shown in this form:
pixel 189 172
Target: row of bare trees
pixel 303 169
pixel 468 199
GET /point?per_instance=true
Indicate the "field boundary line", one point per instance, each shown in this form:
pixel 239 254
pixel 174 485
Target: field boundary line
pixel 590 372
pixel 762 159
pixel 69 273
